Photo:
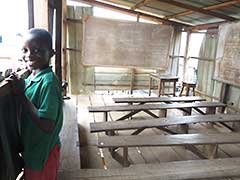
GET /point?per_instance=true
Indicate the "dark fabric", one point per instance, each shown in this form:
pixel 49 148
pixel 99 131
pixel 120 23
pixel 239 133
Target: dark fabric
pixel 11 163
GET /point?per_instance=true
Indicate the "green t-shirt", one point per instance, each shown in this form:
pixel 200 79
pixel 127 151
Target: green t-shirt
pixel 44 91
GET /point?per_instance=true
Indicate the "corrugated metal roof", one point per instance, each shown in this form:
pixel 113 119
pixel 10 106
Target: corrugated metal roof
pixel 203 11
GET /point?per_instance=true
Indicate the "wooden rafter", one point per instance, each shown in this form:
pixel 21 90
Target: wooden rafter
pixel 216 6
pixel 141 3
pixel 199 10
pixel 132 12
pixel 205 26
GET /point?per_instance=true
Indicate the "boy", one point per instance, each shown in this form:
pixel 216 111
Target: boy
pixel 42 115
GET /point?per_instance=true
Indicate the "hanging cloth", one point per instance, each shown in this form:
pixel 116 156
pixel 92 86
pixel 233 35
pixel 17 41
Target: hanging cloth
pixel 11 163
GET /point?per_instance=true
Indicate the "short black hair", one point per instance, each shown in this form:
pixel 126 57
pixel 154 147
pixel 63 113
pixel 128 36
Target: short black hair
pixel 42 34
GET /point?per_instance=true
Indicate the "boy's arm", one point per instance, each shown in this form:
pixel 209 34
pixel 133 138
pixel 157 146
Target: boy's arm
pixel 18 85
pixel 46 125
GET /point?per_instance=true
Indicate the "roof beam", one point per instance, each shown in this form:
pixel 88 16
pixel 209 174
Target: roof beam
pixel 141 3
pixel 205 26
pixel 131 12
pixel 216 6
pixel 199 10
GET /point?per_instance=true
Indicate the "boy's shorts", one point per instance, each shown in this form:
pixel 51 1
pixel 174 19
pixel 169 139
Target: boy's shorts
pixel 49 171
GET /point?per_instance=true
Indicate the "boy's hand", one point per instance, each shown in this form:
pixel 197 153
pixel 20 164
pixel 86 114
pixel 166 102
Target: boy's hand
pixel 17 84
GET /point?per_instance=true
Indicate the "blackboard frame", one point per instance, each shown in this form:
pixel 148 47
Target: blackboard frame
pixel 111 43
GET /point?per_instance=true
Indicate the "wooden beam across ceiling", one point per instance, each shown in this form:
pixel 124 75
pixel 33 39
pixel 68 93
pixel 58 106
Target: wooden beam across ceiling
pixel 199 10
pixel 132 12
pixel 141 3
pixel 212 7
pixel 205 26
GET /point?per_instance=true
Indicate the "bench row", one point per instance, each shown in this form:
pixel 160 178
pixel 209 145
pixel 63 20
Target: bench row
pixel 178 170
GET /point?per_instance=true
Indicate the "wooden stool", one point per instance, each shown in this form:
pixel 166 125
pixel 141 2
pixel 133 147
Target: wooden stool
pixel 187 86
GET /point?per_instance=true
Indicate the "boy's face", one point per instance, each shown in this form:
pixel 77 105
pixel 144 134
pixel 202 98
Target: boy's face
pixel 36 53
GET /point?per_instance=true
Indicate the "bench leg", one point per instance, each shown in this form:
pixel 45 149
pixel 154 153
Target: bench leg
pixel 211 151
pixel 236 126
pixel 125 157
pixel 162 113
pixel 211 110
pixel 150 86
pixel 187 111
pixel 182 129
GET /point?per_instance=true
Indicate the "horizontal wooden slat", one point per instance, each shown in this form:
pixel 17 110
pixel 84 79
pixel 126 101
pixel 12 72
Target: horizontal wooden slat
pixel 154 106
pixel 168 140
pixel 179 170
pixel 161 122
pixel 158 99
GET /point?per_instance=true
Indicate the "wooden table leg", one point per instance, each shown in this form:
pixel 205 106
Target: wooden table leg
pixel 150 86
pixel 174 88
pixel 159 88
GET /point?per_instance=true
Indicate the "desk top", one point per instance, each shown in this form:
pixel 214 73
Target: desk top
pixel 158 99
pixel 163 77
pixel 154 106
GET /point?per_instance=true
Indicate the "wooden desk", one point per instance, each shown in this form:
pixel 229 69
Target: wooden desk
pixel 179 170
pixel 187 140
pixel 162 79
pixel 134 109
pixel 162 122
pixel 143 100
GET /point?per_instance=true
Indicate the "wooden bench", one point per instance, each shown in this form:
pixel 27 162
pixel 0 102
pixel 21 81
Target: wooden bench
pixel 186 107
pixel 143 100
pixel 188 140
pixel 161 122
pixel 178 170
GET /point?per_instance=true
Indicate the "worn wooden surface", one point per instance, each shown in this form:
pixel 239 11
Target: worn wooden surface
pixel 162 122
pixel 168 140
pixel 161 80
pixel 180 170
pixel 154 106
pixel 70 152
pixel 91 156
pixel 158 99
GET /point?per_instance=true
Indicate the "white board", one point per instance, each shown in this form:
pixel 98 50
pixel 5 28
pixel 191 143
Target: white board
pixel 126 44
pixel 227 67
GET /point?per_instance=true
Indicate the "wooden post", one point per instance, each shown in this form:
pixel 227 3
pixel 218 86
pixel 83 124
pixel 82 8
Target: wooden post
pixel 132 80
pixel 65 24
pixel 186 54
pixel 58 42
pixel 30 14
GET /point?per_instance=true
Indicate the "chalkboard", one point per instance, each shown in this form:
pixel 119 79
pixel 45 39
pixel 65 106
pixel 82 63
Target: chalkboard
pixel 126 44
pixel 227 67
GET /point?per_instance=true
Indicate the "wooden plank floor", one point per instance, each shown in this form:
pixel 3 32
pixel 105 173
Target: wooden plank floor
pixel 94 158
pixel 91 155
pixel 70 155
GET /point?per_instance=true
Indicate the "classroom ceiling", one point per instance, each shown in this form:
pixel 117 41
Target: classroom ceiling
pixel 188 14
